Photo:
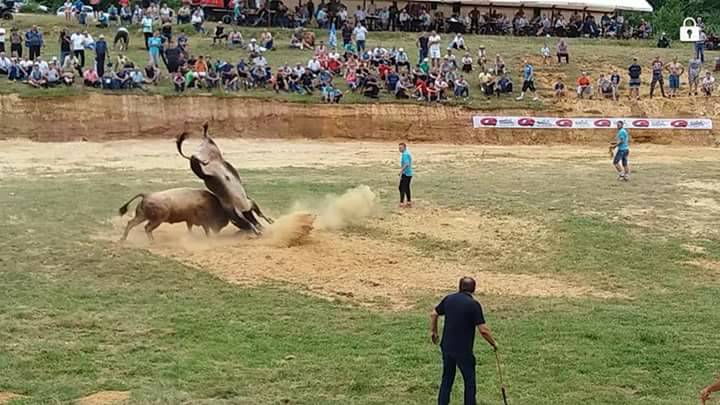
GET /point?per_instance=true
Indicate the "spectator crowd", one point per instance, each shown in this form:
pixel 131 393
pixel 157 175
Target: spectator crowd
pixel 444 65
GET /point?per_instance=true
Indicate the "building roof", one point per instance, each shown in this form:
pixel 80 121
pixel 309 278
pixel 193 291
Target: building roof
pixel 590 5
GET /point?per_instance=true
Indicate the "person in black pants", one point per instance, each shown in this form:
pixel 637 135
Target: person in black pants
pixel 101 49
pixel 462 315
pixel 406 173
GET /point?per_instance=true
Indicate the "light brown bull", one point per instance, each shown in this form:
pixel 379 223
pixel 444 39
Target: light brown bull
pixel 193 206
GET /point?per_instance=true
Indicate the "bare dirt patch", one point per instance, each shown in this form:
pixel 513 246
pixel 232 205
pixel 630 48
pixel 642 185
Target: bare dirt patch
pixel 336 264
pixel 6 397
pixel 22 156
pixel 105 398
pixel 710 265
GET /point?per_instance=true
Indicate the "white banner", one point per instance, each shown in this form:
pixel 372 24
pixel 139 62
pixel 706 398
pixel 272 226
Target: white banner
pixel 591 123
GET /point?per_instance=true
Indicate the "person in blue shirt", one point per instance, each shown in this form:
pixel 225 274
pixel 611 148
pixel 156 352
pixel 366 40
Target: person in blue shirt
pixel 528 81
pixel 406 173
pixel 34 41
pixel 155 44
pixel 622 142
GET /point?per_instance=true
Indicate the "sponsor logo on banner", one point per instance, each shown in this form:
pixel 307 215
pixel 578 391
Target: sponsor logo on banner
pixel 591 123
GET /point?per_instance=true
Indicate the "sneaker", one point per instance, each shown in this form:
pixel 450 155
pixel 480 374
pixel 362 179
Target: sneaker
pixel 519 98
pixel 536 98
pixel 626 177
pixel 621 176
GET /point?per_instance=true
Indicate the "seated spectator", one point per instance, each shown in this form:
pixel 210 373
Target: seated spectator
pixel 53 74
pixel 120 79
pixel 663 41
pixel 559 87
pixel 36 78
pixel 17 72
pixel 266 40
pixel 708 84
pixel 152 74
pixel 178 81
pixel 402 88
pixel 220 35
pixel 607 90
pixel 402 60
pixel 467 63
pixel 201 67
pixel 331 94
pixel 91 78
pixel 458 42
pixel 235 39
pixel 137 79
pixel 372 88
pixel 462 88
pixel 212 79
pixel 5 63
pixel 584 88
pixel 504 85
pixel 197 20
pixel 391 80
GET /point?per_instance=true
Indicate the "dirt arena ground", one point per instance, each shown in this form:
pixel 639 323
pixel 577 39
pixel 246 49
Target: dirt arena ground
pixel 332 262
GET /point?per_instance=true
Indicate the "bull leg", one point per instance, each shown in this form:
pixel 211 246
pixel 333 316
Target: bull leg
pixel 250 217
pixel 206 229
pixel 149 227
pixel 241 222
pixel 137 220
pixel 189 226
pixel 256 209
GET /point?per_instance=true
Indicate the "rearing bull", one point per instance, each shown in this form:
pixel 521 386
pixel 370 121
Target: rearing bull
pixel 223 180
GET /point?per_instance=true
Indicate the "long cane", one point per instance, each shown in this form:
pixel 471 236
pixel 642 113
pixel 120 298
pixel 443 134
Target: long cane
pixel 500 375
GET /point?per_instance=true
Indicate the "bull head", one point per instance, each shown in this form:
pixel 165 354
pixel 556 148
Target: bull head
pixel 221 179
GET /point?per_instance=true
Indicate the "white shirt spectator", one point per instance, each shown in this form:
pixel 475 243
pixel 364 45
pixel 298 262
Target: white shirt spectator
pixel 457 42
pixel 299 70
pixel 2 35
pixel 260 61
pixel 360 33
pixel 314 65
pixel 196 18
pixel 360 15
pixel 5 63
pixel 78 41
pixel 434 41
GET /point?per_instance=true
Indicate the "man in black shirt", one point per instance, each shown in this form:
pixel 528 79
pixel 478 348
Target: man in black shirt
pixel 462 315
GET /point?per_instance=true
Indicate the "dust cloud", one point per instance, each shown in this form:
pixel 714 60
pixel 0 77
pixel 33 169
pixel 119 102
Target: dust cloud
pixel 332 213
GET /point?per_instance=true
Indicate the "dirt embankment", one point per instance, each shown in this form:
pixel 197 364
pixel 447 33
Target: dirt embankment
pixel 97 117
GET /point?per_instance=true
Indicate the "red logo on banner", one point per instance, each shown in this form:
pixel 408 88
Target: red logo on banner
pixel 679 124
pixel 526 122
pixel 602 123
pixel 488 121
pixel 564 123
pixel 641 123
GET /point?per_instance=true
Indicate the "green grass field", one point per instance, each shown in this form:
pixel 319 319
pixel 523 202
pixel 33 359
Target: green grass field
pixel 594 56
pixel 81 315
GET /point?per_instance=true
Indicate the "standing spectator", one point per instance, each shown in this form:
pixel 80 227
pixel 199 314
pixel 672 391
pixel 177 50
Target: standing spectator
pixel 423 46
pixel 528 81
pixel 694 75
pixel 393 15
pixel 658 69
pixel 475 20
pixel 620 161
pixel 65 45
pixel 68 10
pixel 434 42
pixel 155 44
pixel 563 52
pixel 347 33
pixel 462 316
pixel 676 70
pixel 34 41
pixel 147 28
pixel 78 47
pixel 615 81
pixel 406 173
pixel 101 50
pixel 16 41
pixel 545 52
pixel 559 88
pixel 634 71
pixel 700 46
pixel 708 84
pixel 359 16
pixel 360 33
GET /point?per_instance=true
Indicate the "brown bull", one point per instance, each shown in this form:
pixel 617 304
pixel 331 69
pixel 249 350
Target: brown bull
pixel 193 206
pixel 223 180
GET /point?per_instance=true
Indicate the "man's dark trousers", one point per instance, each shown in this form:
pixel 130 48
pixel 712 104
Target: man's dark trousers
pixel 466 364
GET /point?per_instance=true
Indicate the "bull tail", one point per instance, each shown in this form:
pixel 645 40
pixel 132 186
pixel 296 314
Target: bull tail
pixel 179 141
pixel 123 210
pixel 205 129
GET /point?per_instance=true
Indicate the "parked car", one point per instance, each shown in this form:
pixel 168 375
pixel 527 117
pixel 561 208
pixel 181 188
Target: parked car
pixel 23 6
